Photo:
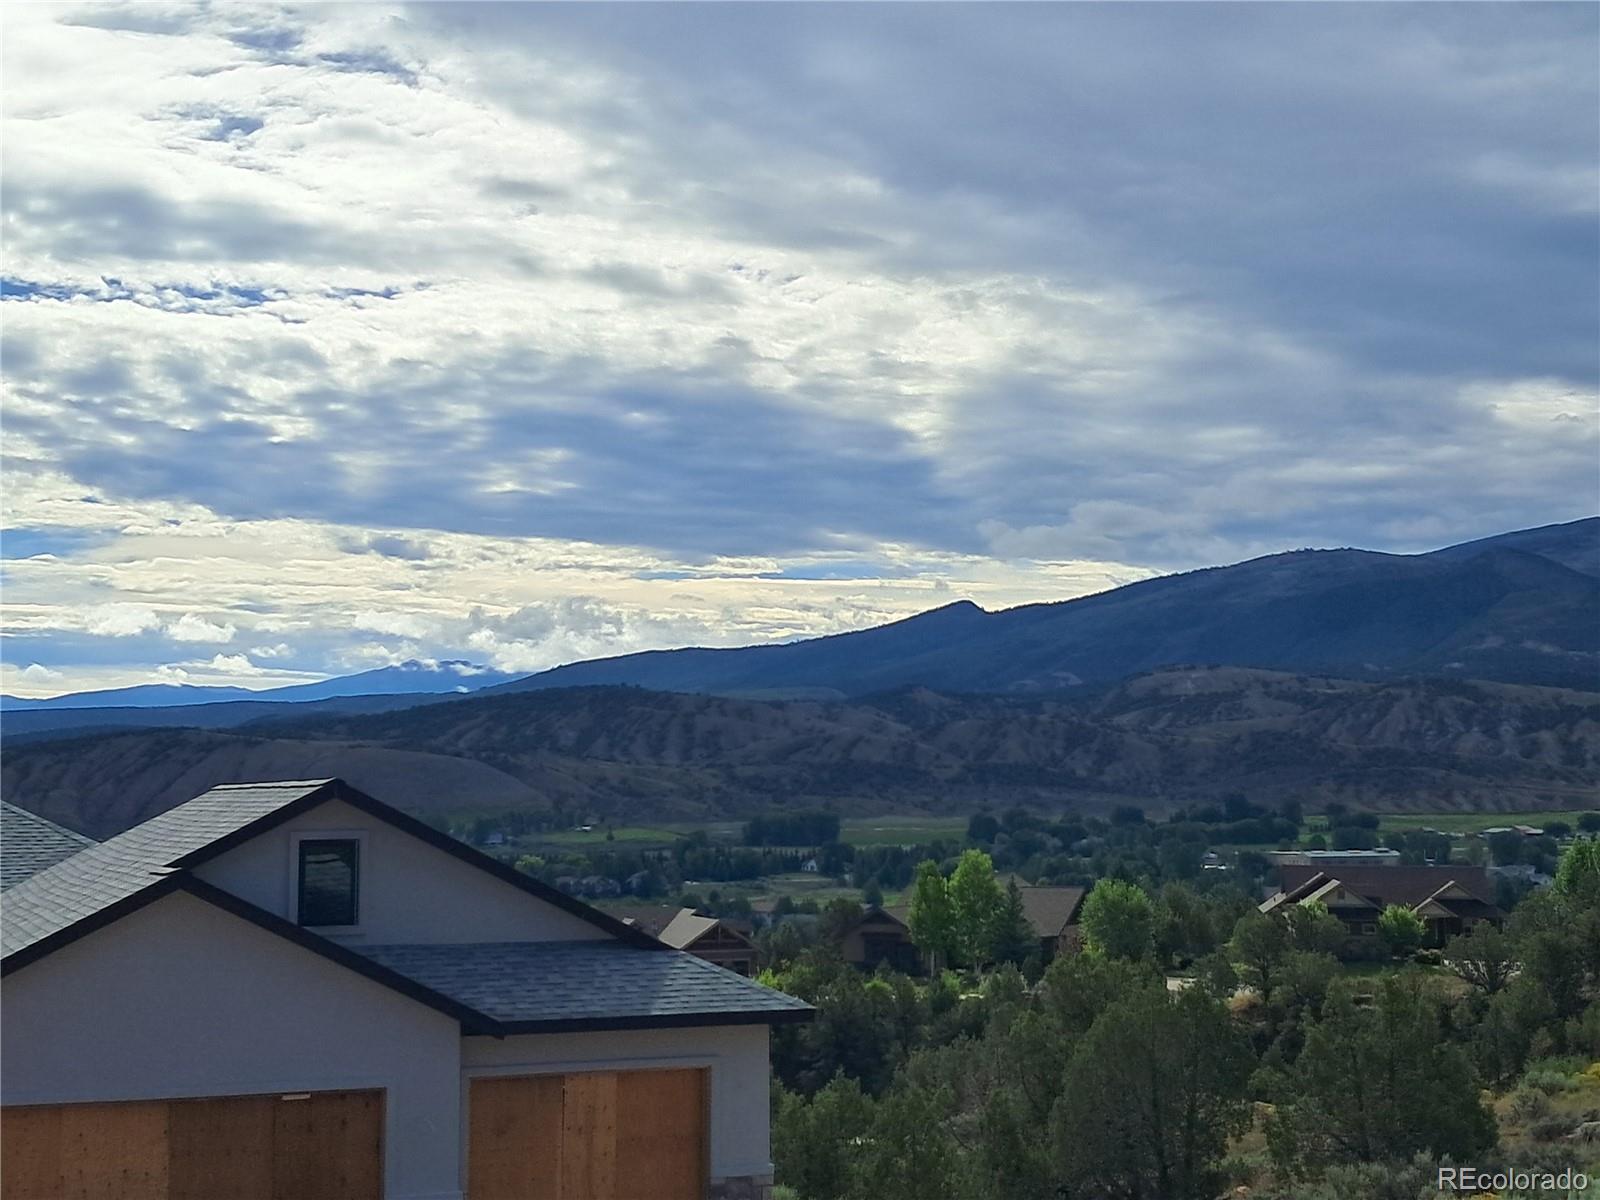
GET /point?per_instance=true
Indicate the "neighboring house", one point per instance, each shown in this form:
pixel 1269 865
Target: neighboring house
pixel 30 844
pixel 711 938
pixel 882 935
pixel 294 990
pixel 1053 913
pixel 1449 899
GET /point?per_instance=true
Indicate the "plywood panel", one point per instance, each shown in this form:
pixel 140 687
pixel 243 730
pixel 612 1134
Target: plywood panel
pixel 662 1142
pixel 328 1146
pixel 30 1153
pixel 514 1138
pixel 589 1137
pixel 221 1149
pixel 114 1151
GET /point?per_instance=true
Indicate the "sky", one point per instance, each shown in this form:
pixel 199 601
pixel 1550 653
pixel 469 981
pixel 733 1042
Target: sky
pixel 334 337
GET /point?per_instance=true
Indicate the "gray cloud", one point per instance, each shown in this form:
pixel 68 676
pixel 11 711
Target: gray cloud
pixel 1147 284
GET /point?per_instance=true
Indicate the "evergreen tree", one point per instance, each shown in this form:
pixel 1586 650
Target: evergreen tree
pixel 1150 1099
pixel 1378 1084
pixel 1261 944
pixel 1011 937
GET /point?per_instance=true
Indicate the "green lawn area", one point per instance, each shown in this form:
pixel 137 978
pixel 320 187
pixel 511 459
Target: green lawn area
pixel 896 831
pixel 857 831
pixel 624 835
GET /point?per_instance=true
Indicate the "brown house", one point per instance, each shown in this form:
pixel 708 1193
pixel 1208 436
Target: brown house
pixel 882 935
pixel 1053 913
pixel 1449 899
pixel 711 938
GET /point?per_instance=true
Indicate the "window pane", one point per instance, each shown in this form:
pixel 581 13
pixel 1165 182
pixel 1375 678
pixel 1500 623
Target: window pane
pixel 328 881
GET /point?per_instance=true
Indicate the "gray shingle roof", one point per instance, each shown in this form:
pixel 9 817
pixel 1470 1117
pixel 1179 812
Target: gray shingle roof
pixel 598 984
pixel 117 870
pixel 1050 909
pixel 29 844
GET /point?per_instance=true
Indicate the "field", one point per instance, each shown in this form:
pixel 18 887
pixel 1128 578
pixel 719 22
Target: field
pixel 920 830
pixel 898 831
pixel 1474 822
pixel 630 837
pixel 857 831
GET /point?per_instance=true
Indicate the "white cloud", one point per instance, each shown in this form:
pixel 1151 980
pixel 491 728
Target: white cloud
pixel 120 620
pixel 192 627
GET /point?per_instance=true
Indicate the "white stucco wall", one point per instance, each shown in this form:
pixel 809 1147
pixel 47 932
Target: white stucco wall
pixel 410 892
pixel 182 999
pixel 736 1054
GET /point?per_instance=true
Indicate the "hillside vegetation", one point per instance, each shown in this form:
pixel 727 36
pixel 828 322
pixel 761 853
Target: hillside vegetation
pixel 638 756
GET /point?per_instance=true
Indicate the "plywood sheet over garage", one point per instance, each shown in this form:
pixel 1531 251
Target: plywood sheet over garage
pixel 598 1135
pixel 305 1146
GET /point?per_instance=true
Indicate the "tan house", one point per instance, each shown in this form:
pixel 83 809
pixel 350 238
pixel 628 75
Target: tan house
pixel 1449 899
pixel 714 939
pixel 294 990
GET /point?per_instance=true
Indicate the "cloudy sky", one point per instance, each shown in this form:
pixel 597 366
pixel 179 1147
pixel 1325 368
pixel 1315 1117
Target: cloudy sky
pixel 338 336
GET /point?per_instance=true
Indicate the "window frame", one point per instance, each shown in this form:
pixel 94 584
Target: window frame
pixel 296 840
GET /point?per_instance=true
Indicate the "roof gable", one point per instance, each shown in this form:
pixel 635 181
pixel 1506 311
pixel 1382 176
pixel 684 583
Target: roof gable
pixel 93 884
pixel 1409 886
pixel 1051 909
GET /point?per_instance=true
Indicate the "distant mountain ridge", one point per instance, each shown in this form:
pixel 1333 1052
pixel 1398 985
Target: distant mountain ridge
pixel 1522 607
pixel 636 756
pixel 413 677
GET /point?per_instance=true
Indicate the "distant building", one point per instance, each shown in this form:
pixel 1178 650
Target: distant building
pixel 883 935
pixel 1448 899
pixel 1053 913
pixel 1328 858
pixel 712 938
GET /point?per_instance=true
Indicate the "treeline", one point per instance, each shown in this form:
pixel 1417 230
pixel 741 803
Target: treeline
pixel 1104 1082
pixel 792 829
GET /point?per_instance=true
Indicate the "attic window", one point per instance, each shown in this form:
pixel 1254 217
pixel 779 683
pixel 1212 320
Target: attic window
pixel 329 875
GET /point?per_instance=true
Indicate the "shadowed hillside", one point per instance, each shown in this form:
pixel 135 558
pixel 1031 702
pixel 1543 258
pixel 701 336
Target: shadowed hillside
pixel 1521 607
pixel 636 755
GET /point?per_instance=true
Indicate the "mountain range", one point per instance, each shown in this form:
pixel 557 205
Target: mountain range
pixel 1464 678
pixel 1522 607
pixel 413 677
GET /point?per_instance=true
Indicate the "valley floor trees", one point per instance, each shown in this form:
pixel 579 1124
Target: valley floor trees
pixel 1102 1082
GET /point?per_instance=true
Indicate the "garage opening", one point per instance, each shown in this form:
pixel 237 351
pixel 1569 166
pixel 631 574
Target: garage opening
pixel 598 1135
pixel 293 1146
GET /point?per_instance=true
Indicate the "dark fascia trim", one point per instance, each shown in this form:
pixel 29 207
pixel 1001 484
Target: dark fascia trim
pixel 472 1021
pixel 159 887
pixel 338 789
pixel 779 1016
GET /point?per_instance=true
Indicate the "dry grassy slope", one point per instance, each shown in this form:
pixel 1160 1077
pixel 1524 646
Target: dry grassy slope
pixel 103 785
pixel 1169 737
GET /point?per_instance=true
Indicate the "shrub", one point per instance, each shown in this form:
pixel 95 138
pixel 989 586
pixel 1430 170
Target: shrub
pixel 1549 1082
pixel 1550 1129
pixel 1528 1105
